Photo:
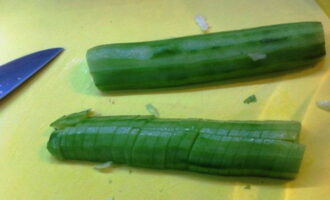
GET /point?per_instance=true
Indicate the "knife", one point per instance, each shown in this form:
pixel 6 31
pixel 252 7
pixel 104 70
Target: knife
pixel 14 73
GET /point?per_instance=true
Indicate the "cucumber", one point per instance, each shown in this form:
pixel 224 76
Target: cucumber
pixel 240 148
pixel 208 58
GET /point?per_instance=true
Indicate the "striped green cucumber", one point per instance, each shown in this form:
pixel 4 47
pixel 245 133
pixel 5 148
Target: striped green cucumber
pixel 207 58
pixel 242 148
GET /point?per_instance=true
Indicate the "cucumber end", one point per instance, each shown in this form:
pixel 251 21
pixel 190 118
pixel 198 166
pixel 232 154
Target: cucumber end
pixel 53 146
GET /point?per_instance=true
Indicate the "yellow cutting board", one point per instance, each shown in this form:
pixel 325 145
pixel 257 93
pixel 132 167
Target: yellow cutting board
pixel 28 171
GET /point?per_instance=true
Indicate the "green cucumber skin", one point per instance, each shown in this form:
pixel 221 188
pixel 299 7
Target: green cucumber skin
pixel 246 148
pixel 204 59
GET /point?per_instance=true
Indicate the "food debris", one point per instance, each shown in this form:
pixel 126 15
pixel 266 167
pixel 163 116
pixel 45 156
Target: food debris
pixel 201 22
pixel 247 187
pixel 103 165
pixel 323 104
pixel 257 56
pixel 111 101
pixel 152 110
pixel 250 99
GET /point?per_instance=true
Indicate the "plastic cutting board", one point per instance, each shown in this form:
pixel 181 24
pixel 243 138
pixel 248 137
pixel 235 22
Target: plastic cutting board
pixel 28 171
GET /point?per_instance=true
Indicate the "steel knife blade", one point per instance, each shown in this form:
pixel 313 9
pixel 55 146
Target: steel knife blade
pixel 14 73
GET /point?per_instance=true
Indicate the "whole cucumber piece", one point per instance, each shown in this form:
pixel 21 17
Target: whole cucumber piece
pixel 208 58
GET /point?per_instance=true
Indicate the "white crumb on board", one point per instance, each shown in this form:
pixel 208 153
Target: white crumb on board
pixel 257 56
pixel 73 62
pixel 152 110
pixel 103 165
pixel 201 22
pixel 323 104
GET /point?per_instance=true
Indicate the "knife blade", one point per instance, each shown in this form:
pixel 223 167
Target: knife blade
pixel 14 73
